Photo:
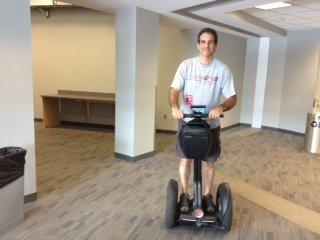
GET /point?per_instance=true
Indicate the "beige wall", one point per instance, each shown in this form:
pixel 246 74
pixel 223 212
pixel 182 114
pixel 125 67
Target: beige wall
pixel 173 49
pixel 73 49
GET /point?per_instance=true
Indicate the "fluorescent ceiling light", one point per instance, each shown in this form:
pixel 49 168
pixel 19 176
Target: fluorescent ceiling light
pixel 46 3
pixel 41 2
pixel 273 5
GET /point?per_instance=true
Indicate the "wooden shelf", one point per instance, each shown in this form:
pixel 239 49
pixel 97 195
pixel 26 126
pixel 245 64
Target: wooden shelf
pixel 52 104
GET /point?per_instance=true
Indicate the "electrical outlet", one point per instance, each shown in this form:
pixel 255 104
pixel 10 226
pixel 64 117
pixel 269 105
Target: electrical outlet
pixel 164 116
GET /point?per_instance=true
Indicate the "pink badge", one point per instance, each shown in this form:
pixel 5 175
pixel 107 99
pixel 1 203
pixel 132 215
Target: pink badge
pixel 189 100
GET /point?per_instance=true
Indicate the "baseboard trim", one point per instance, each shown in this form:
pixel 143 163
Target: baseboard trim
pixel 231 126
pixel 70 123
pixel 93 125
pixel 270 128
pixel 245 124
pixel 283 131
pixel 166 131
pixel 30 197
pixel 38 119
pixel 134 159
pixel 276 129
pixel 291 132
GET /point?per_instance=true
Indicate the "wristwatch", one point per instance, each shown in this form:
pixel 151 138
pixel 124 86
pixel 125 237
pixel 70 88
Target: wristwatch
pixel 223 108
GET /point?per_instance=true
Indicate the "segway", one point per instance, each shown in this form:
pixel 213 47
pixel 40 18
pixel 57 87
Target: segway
pixel 195 141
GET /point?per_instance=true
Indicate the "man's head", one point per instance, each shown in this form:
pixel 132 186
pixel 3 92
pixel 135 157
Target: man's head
pixel 207 42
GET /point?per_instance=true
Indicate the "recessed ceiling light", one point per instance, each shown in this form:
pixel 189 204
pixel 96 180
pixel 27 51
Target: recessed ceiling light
pixel 273 5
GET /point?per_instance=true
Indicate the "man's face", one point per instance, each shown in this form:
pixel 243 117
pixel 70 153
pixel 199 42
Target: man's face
pixel 206 45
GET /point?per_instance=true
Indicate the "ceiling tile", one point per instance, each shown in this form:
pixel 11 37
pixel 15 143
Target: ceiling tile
pixel 251 10
pixel 314 5
pixel 295 28
pixel 287 10
pixel 307 14
pixel 316 18
pixel 265 14
pixel 306 22
pixel 284 18
pixel 299 2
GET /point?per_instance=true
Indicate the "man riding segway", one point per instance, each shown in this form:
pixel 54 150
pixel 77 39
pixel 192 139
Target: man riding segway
pixel 202 80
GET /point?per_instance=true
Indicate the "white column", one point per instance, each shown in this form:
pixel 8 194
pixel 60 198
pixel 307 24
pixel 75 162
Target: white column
pixel 16 98
pixel 274 82
pixel 136 78
pixel 249 80
pixel 260 82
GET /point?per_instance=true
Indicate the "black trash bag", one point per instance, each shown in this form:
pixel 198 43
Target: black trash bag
pixel 12 160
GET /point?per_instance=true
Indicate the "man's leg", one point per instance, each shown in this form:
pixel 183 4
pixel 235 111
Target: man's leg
pixel 209 171
pixel 184 170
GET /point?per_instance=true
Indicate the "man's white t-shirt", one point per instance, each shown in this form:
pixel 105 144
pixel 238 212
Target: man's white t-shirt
pixel 203 85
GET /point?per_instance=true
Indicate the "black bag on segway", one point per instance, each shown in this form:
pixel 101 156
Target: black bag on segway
pixel 195 139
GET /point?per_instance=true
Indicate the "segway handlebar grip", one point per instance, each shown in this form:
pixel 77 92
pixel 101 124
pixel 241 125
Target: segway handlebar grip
pixel 189 115
pixel 198 106
pixel 193 115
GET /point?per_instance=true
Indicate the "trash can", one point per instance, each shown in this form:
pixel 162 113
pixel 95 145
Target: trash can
pixel 312 137
pixel 12 160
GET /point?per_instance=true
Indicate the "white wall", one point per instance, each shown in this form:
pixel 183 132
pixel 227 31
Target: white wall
pixel 16 98
pixel 249 82
pixel 299 82
pixel 73 49
pixel 291 80
pixel 232 51
pixel 273 90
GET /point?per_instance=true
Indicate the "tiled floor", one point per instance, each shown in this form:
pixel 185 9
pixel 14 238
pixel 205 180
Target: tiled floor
pixel 85 193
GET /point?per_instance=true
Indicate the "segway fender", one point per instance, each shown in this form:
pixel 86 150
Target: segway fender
pixel 224 201
pixel 224 193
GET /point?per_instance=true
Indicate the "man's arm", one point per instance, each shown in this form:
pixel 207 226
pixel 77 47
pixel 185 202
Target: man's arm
pixel 174 103
pixel 225 106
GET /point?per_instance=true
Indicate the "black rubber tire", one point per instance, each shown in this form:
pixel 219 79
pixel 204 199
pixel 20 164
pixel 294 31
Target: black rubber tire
pixel 224 204
pixel 172 204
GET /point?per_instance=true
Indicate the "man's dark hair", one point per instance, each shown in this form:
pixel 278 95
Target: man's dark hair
pixel 208 30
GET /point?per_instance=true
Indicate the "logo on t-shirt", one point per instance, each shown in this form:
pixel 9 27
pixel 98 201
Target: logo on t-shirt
pixel 189 100
pixel 204 79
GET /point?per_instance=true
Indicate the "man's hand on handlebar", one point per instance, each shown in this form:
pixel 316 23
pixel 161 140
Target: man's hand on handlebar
pixel 177 113
pixel 215 113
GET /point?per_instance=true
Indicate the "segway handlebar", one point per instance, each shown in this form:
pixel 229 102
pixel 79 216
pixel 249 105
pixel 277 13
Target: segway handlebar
pixel 198 106
pixel 199 115
pixel 196 114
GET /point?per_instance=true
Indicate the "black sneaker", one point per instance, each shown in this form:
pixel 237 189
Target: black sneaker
pixel 184 203
pixel 208 204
